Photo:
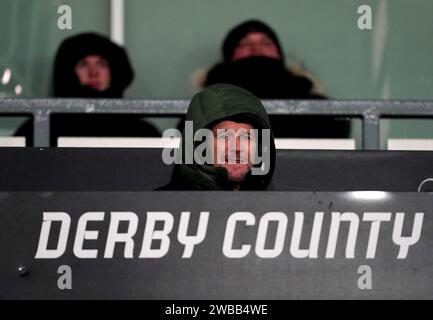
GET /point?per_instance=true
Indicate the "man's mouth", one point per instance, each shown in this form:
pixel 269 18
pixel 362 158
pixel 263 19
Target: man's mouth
pixel 93 85
pixel 235 160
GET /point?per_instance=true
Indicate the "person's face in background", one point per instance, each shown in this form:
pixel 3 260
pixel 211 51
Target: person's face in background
pixel 242 151
pixel 256 44
pixel 94 72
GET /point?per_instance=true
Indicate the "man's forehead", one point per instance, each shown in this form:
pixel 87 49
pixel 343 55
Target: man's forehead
pixel 93 57
pixel 256 35
pixel 234 125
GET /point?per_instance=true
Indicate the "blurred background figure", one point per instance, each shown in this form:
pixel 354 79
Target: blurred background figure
pixel 89 65
pixel 254 60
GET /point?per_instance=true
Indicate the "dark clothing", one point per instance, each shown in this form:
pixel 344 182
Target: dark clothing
pixel 266 78
pixel 214 104
pixel 177 183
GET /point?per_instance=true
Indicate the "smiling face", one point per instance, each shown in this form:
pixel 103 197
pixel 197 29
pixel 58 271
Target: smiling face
pixel 234 147
pixel 94 72
pixel 256 44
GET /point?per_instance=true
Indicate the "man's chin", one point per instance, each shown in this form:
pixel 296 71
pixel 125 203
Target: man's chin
pixel 236 172
pixel 237 176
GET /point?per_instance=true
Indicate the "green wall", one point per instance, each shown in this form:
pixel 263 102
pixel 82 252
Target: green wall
pixel 171 42
pixel 30 37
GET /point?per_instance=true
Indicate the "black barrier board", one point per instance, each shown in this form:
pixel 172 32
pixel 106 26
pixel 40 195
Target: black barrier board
pixel 231 245
pixel 107 169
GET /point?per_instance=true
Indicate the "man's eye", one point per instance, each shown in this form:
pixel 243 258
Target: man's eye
pixel 81 64
pixel 244 43
pixel 245 137
pixel 267 43
pixel 222 136
pixel 102 64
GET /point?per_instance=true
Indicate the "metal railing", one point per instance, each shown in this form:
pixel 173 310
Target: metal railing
pixel 369 111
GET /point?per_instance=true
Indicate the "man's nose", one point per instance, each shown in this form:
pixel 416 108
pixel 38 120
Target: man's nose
pixel 239 145
pixel 236 146
pixel 255 48
pixel 93 71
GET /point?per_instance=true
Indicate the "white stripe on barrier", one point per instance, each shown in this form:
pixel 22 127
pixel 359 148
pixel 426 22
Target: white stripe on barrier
pixel 315 144
pixel 12 141
pixel 410 144
pixel 89 142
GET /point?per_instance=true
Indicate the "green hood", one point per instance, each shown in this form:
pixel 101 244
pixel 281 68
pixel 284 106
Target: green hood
pixel 214 104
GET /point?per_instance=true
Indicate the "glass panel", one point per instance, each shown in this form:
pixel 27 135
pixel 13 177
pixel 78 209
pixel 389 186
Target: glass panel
pixel 418 131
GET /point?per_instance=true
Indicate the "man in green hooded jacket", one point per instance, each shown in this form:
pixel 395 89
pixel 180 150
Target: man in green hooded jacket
pixel 226 111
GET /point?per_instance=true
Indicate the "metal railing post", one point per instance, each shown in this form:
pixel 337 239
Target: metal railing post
pixel 371 131
pixel 41 129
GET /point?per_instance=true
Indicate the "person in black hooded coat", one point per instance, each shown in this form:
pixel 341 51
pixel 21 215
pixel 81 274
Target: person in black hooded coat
pixel 77 48
pixel 75 52
pixel 253 59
